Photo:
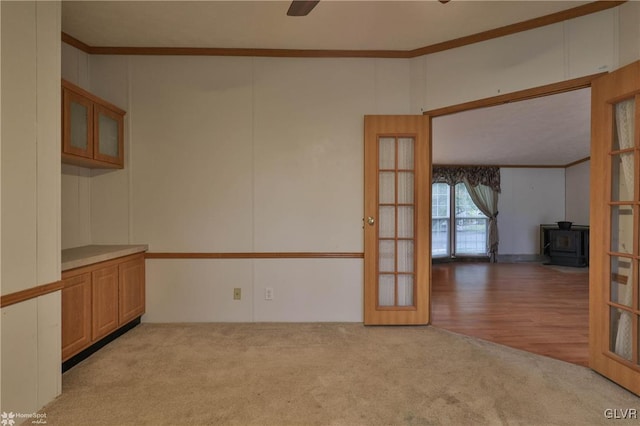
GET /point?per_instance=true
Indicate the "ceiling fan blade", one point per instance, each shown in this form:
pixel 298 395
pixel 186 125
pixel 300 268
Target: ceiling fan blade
pixel 301 7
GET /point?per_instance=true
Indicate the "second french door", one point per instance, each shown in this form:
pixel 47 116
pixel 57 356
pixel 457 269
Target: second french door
pixel 614 286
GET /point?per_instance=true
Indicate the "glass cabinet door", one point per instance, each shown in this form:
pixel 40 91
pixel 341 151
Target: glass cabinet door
pixel 108 135
pixel 77 125
pixel 92 130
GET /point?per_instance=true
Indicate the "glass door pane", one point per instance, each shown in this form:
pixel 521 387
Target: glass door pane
pixel 79 125
pixel 624 253
pixel 396 222
pixel 108 136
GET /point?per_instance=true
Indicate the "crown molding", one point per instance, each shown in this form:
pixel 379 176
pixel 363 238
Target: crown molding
pixel 518 27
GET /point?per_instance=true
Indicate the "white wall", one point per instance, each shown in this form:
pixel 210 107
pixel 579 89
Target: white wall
pixel 304 290
pixel 75 181
pixel 629 32
pixel 76 206
pixel 30 202
pixel 110 188
pixel 254 155
pixel 577 193
pixel 529 198
pixel 545 55
pixel 92 211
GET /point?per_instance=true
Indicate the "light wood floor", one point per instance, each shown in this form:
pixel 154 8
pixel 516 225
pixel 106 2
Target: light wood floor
pixel 527 306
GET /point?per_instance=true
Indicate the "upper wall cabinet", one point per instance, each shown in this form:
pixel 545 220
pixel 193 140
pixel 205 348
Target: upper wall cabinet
pixel 92 130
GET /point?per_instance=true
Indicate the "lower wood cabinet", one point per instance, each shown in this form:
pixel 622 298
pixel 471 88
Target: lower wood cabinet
pixel 104 301
pixel 130 290
pixel 98 299
pixel 76 314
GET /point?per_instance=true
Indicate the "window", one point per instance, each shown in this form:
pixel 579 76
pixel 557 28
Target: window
pixel 469 235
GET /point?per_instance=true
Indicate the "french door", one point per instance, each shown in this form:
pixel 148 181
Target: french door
pixel 397 252
pixel 614 341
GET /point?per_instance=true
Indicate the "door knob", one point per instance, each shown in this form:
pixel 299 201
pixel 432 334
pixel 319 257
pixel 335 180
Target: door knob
pixel 371 220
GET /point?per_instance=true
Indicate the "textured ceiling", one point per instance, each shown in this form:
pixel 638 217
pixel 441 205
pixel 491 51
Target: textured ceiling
pixel 553 130
pixel 350 25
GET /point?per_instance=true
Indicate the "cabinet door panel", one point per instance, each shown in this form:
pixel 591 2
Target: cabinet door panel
pixel 132 291
pixel 77 125
pixel 108 135
pixel 76 315
pixel 104 301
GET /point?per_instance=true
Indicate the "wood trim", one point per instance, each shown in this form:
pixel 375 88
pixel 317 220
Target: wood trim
pixel 506 166
pixel 94 266
pixel 72 41
pixel 575 163
pixel 520 95
pixel 518 166
pixel 30 293
pixel 88 162
pixel 267 53
pixel 82 92
pixel 253 255
pixel 530 24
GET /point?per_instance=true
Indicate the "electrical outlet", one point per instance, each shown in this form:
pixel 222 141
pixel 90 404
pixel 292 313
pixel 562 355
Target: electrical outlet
pixel 268 293
pixel 237 293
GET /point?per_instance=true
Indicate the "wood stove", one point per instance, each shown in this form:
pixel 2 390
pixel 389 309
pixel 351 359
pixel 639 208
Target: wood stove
pixel 569 247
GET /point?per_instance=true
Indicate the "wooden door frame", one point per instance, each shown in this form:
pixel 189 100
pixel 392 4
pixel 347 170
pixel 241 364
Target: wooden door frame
pixel 540 91
pixel 521 95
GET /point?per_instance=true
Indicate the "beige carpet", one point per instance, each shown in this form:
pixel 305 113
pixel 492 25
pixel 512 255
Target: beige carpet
pixel 326 374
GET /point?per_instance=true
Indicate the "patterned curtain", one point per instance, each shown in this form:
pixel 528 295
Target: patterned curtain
pixel 475 175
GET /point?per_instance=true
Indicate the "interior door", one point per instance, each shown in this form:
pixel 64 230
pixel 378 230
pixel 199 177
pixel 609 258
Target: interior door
pixel 397 231
pixel 614 334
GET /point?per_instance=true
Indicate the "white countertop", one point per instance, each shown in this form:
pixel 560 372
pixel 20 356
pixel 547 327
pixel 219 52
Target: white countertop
pixel 87 255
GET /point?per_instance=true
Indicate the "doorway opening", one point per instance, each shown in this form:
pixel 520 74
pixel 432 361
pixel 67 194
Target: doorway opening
pixel 519 301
